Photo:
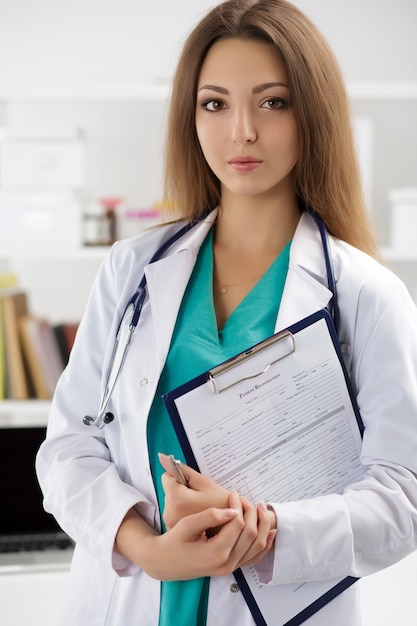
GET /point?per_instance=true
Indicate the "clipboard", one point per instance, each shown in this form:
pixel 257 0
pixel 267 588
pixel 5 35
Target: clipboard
pixel 263 409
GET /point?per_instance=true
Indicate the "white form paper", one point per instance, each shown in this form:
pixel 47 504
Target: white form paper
pixel 286 434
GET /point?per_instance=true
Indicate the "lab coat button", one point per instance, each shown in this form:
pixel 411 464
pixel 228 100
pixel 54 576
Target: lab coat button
pixel 234 588
pixel 144 382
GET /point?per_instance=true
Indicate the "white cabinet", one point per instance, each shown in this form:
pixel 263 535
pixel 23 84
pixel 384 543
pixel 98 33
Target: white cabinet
pixel 32 597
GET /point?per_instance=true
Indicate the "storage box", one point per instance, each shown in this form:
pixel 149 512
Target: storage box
pixel 52 160
pixel 35 219
pixel 403 218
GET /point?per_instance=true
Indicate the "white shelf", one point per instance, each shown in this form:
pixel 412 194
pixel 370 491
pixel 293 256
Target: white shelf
pixel 81 252
pixel 24 413
pixel 383 90
pixel 159 90
pixel 145 91
pixel 399 254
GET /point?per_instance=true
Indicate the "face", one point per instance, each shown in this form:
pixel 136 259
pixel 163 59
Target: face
pixel 245 121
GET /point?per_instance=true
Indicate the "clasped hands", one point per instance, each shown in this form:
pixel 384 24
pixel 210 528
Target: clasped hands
pixel 210 532
pixel 245 532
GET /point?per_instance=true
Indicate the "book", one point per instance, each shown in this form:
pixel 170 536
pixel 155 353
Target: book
pixel 7 280
pixel 42 354
pixel 14 306
pixel 65 336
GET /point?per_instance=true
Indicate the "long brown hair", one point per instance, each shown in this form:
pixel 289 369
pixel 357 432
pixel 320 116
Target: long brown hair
pixel 327 175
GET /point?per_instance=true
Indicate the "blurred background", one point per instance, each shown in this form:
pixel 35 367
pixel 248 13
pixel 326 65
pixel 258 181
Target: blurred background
pixel 84 86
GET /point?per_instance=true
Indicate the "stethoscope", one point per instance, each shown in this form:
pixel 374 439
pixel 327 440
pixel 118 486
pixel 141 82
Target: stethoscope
pixel 133 309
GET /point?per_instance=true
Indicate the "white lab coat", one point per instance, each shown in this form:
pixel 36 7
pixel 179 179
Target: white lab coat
pixel 90 478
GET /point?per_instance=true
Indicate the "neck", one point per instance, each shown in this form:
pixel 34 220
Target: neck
pixel 255 228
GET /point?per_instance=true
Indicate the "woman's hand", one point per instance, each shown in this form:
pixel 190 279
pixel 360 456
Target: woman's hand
pixel 185 551
pixel 180 501
pixel 202 493
pixel 258 536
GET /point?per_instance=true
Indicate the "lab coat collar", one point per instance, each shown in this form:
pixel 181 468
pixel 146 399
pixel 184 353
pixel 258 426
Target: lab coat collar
pixel 167 280
pixel 305 290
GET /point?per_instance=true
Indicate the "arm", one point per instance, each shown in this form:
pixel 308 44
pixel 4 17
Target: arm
pixel 373 523
pixel 80 469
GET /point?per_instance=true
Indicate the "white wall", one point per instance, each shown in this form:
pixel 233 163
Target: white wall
pixel 128 41
pixel 80 46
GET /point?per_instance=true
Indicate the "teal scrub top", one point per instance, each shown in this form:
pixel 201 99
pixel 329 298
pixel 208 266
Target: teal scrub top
pixel 197 345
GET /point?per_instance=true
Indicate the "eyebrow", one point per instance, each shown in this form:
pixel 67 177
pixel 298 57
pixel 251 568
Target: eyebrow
pixel 255 90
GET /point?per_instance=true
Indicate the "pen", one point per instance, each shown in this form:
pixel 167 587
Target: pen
pixel 177 471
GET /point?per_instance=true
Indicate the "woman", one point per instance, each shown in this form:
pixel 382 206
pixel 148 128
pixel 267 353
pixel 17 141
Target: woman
pixel 259 131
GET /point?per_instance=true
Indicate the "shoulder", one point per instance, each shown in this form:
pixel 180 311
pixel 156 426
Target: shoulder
pixel 375 305
pixel 357 271
pixel 139 249
pixel 124 265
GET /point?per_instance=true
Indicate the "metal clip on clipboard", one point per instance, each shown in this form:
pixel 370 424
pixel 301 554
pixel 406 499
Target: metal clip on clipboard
pixel 285 338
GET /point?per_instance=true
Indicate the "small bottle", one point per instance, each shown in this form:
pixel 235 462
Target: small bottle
pixel 110 207
pixel 96 231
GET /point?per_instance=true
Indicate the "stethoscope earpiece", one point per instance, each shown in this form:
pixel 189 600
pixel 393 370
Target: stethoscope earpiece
pixel 109 417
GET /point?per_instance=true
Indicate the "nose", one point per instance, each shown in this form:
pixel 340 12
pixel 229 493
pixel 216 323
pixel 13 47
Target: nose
pixel 243 130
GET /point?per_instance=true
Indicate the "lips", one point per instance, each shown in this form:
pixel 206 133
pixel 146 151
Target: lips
pixel 245 163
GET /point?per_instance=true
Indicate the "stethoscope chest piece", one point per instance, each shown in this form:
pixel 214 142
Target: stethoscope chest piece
pixel 107 419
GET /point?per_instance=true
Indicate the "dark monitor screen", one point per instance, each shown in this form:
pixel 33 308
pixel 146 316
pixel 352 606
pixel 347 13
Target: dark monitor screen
pixel 20 495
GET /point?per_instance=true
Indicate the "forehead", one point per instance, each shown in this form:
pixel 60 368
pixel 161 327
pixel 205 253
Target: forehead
pixel 234 60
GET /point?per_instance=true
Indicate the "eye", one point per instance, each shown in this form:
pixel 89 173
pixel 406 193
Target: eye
pixel 275 103
pixel 213 105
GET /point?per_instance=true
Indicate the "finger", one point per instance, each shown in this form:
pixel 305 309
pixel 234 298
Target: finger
pixel 235 502
pixel 263 540
pixel 193 526
pixel 174 468
pixel 164 460
pixel 252 560
pixel 169 482
pixel 195 479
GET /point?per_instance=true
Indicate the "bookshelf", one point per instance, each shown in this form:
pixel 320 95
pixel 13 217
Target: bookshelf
pixel 21 413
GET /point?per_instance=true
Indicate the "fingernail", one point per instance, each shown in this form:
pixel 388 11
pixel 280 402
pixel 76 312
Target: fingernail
pixel 271 536
pixel 230 513
pixel 262 506
pixel 162 456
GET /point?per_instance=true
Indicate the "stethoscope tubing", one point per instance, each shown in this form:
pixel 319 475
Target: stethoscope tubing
pixel 331 283
pixel 137 300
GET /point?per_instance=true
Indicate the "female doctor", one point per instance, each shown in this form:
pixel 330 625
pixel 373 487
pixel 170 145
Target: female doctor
pixel 259 130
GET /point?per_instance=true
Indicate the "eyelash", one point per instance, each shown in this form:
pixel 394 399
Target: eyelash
pixel 277 104
pixel 281 102
pixel 206 103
